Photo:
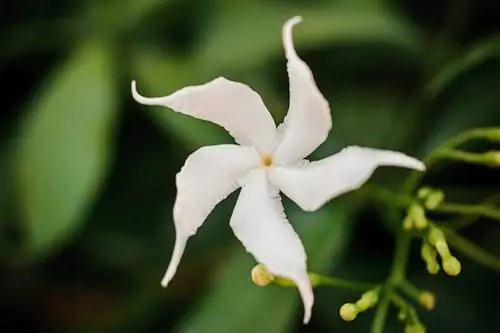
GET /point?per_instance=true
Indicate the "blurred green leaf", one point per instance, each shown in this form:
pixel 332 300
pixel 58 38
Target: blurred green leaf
pixel 477 54
pixel 470 101
pixel 65 147
pixel 254 41
pixel 160 75
pixel 248 308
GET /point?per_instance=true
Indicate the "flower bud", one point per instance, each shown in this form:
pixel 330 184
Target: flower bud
pixel 260 276
pixel 424 192
pixel 417 214
pixel 348 312
pixel 402 315
pixel 408 223
pixel 434 199
pixel 367 300
pixel 431 197
pixel 452 266
pixel 427 300
pixel 493 158
pixel 415 328
pixel 436 235
pixel 442 249
pixel 429 255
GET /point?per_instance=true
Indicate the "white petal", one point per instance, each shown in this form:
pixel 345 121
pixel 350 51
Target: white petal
pixel 312 185
pixel 308 121
pixel 260 224
pixel 232 105
pixel 209 175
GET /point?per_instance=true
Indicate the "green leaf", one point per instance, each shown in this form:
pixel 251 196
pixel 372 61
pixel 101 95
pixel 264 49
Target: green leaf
pixel 473 93
pixel 252 41
pixel 477 54
pixel 65 147
pixel 270 309
pixel 159 76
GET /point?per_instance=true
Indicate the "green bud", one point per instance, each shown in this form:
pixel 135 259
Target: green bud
pixel 429 255
pixel 424 192
pixel 434 199
pixel 436 235
pixel 493 158
pixel 442 249
pixel 452 266
pixel 367 300
pixel 415 328
pixel 427 300
pixel 417 214
pixel 261 276
pixel 408 223
pixel 348 312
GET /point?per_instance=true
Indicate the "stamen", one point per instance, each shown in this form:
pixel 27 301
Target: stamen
pixel 267 160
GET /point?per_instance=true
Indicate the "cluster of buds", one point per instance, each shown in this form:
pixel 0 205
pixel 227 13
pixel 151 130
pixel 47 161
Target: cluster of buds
pixel 437 246
pixel 349 311
pixel 415 218
pixel 429 199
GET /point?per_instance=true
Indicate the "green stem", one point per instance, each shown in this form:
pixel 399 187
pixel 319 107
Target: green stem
pixel 387 196
pixel 401 303
pixel 410 290
pixel 396 277
pixel 488 133
pixel 335 282
pixel 491 212
pixel 488 158
pixel 468 219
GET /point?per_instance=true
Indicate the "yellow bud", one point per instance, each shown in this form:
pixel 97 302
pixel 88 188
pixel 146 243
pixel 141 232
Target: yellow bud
pixel 433 268
pixel 493 158
pixel 260 276
pixel 348 312
pixel 434 199
pixel 442 249
pixel 435 235
pixel 452 266
pixel 367 300
pixel 408 223
pixel 424 192
pixel 417 214
pixel 429 256
pixel 427 300
pixel 415 328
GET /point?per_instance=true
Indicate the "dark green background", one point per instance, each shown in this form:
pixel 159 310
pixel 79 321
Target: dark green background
pixel 87 174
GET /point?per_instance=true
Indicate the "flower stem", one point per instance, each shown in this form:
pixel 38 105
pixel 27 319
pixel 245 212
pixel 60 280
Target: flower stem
pixel 396 277
pixel 335 282
pixel 387 196
pixel 491 212
pixel 468 219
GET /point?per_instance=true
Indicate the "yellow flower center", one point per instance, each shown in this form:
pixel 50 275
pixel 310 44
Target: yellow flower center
pixel 267 160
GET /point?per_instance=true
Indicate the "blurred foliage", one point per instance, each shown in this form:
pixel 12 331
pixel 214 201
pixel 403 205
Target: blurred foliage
pixel 87 175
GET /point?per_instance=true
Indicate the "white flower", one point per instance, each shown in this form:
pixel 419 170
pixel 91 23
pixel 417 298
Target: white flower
pixel 266 161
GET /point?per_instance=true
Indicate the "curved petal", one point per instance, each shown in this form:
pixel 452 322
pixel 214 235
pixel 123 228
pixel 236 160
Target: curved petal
pixel 209 175
pixel 308 120
pixel 313 184
pixel 260 224
pixel 232 105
